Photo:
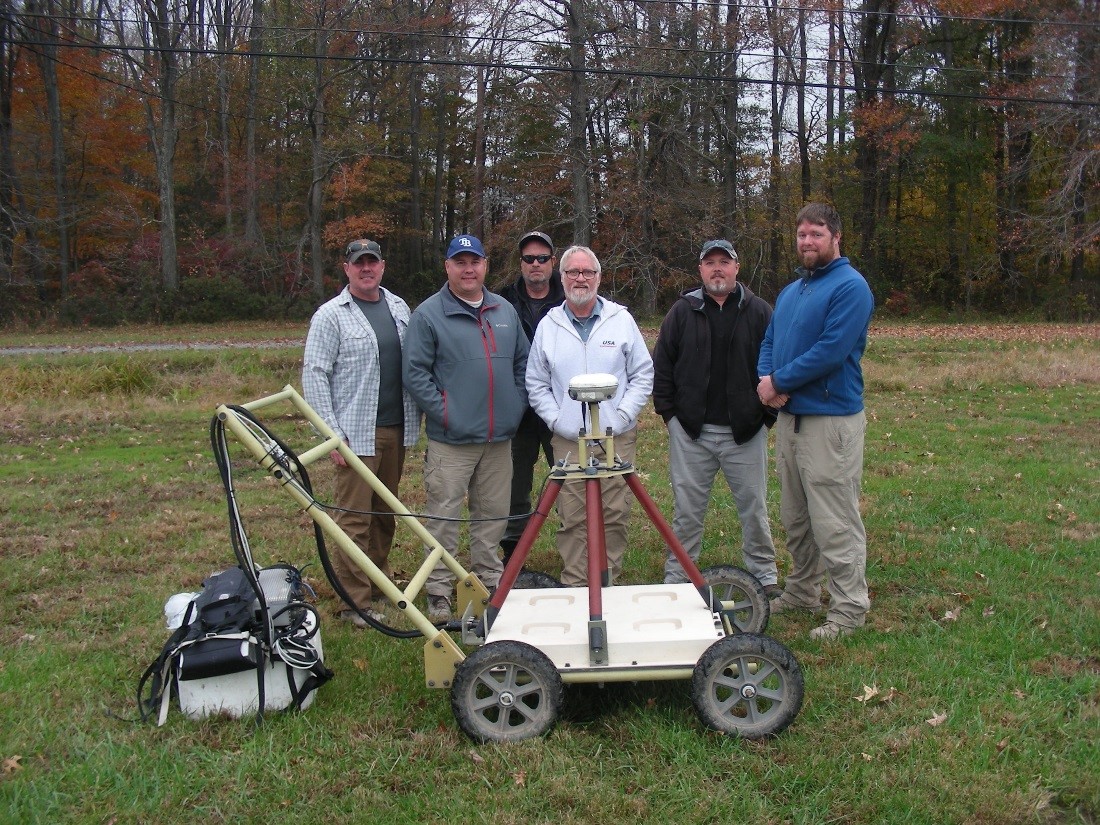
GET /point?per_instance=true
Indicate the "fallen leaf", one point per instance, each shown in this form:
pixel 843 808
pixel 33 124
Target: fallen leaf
pixel 11 764
pixel 987 612
pixel 520 778
pixel 1019 694
pixel 952 615
pixel 869 692
pixel 361 664
pixel 889 696
pixel 476 757
pixel 978 574
pixel 866 757
pixel 937 719
pixel 1002 744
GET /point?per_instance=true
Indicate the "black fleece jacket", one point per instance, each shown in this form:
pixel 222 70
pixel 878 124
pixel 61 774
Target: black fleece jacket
pixel 681 365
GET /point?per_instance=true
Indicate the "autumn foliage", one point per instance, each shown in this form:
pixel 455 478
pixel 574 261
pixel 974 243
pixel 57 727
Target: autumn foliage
pixel 223 172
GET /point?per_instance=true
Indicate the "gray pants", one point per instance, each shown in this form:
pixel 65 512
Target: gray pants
pixel 693 466
pixel 820 468
pixel 483 474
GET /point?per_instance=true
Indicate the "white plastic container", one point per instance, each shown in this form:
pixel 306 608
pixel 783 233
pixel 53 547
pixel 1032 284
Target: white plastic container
pixel 236 694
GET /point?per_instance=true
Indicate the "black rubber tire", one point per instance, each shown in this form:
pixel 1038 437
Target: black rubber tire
pixel 747 685
pixel 506 691
pixel 534 580
pixel 735 584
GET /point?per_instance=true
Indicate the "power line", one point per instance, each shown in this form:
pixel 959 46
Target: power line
pixel 709 4
pixel 594 70
pixel 705 53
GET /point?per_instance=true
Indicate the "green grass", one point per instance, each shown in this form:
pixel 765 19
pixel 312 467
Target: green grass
pixel 981 502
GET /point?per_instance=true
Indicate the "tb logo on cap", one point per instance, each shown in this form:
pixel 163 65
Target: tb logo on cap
pixel 465 243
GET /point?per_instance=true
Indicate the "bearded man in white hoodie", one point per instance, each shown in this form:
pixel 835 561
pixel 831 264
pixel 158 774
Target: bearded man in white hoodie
pixel 589 334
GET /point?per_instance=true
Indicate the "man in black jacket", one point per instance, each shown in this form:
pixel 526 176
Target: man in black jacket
pixel 704 387
pixel 537 290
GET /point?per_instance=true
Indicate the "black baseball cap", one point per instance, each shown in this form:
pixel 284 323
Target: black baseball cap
pixel 357 249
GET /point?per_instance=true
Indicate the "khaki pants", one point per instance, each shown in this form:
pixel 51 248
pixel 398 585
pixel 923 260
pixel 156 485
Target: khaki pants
pixel 481 473
pixel 820 468
pixel 573 533
pixel 372 533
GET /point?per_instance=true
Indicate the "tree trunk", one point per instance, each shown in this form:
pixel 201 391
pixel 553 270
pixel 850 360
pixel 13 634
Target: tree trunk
pixel 478 197
pixel 252 232
pixel 730 143
pixel 803 136
pixel 8 228
pixel 318 167
pixel 576 22
pixel 44 31
pixel 774 160
pixel 224 25
pixel 165 34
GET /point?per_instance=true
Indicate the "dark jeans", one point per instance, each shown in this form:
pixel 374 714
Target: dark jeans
pixel 533 435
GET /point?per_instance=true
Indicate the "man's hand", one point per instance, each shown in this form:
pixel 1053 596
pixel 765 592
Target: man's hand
pixel 338 459
pixel 769 396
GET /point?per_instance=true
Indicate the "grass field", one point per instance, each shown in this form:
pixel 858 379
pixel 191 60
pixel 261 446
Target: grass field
pixel 973 695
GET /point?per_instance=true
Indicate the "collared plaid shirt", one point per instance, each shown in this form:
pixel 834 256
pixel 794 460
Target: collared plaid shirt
pixel 341 374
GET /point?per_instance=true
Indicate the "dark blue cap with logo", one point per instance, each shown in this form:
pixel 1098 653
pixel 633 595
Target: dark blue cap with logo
pixel 465 243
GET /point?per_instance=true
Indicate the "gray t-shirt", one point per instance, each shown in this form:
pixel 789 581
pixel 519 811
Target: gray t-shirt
pixel 390 409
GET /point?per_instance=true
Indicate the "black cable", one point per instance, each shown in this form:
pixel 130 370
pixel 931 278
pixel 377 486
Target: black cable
pixel 288 461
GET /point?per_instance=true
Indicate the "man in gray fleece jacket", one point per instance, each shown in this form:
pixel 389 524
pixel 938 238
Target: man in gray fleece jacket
pixel 464 363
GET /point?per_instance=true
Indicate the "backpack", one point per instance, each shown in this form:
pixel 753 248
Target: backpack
pixel 238 649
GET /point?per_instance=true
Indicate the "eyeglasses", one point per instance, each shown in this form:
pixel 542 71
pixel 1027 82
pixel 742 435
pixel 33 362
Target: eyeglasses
pixel 530 259
pixel 577 274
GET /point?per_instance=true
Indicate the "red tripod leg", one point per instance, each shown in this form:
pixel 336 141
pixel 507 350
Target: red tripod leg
pixel 526 541
pixel 597 572
pixel 597 549
pixel 635 485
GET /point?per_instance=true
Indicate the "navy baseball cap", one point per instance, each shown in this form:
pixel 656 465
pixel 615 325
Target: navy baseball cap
pixel 725 246
pixel 465 243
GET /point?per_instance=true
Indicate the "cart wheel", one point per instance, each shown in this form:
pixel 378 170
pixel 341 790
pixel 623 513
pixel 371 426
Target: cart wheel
pixel 751 610
pixel 506 691
pixel 535 580
pixel 747 685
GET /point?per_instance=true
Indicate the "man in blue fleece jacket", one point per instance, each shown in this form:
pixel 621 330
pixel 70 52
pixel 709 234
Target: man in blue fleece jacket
pixel 810 371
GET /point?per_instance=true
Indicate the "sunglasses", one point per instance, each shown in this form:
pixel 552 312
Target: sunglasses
pixel 530 259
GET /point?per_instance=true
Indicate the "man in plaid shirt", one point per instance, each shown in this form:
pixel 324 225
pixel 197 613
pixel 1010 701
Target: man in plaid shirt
pixel 351 376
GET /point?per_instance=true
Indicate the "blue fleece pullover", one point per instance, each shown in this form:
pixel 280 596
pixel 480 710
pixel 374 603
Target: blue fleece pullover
pixel 816 338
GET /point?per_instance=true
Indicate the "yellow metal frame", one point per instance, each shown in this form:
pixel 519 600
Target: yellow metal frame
pixel 441 654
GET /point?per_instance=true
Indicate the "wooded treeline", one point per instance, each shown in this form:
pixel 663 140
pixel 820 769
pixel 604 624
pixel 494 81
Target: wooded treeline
pixel 210 158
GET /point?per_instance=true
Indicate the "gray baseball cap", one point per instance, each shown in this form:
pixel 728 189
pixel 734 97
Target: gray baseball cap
pixel 536 236
pixel 725 246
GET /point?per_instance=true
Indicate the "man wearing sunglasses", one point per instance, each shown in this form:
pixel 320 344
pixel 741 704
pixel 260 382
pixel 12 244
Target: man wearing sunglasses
pixel 351 375
pixel 537 290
